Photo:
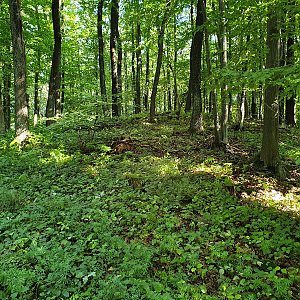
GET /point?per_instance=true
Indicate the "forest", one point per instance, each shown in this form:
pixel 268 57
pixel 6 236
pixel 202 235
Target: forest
pixel 149 149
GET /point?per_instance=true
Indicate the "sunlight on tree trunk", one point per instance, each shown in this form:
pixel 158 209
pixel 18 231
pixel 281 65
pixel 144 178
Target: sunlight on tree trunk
pixel 21 104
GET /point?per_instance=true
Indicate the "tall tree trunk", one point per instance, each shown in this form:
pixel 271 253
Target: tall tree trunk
pixel 63 87
pixel 254 105
pixel 213 105
pixel 101 57
pixel 195 69
pixel 175 89
pixel 282 62
pixel 114 50
pixel 36 98
pixel 7 69
pixel 146 95
pixel 160 44
pixel 291 99
pixel 21 105
pixel 269 152
pixel 133 73
pixel 223 63
pixel 120 81
pixel 53 107
pixel 2 121
pixel 188 99
pixel 138 67
pixel 241 109
pixel 36 113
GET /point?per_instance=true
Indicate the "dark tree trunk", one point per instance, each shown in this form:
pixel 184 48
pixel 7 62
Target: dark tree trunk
pixel 36 98
pixel 138 68
pixel 213 105
pixel 146 95
pixel 254 105
pixel 101 57
pixel 188 99
pixel 21 105
pixel 36 103
pixel 114 50
pixel 282 64
pixel 160 44
pixel 260 105
pixel 2 121
pixel 169 94
pixel 223 63
pixel 195 69
pixel 53 104
pixel 120 81
pixel 290 100
pixel 6 94
pixel 269 152
pixel 63 89
pixel 133 73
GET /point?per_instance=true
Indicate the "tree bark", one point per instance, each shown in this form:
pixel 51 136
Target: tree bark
pixel 21 105
pixel 2 121
pixel 175 89
pixel 195 69
pixel 160 45
pixel 36 98
pixel 133 73
pixel 53 107
pixel 7 69
pixel 114 50
pixel 291 99
pixel 146 95
pixel 138 68
pixel 270 152
pixel 223 64
pixel 36 103
pixel 213 104
pixel 102 81
pixel 254 105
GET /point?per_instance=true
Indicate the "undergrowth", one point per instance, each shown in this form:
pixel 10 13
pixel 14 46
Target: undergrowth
pixel 133 210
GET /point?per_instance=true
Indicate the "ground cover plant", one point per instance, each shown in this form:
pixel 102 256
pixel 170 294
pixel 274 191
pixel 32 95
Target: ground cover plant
pixel 133 210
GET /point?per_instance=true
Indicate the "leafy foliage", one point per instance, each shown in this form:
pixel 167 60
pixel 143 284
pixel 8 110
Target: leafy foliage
pixel 165 220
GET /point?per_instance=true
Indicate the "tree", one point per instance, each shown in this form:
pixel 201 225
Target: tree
pixel 115 57
pixel 37 76
pixel 7 70
pixel 101 56
pixel 269 152
pixel 138 67
pixel 222 39
pixel 2 121
pixel 160 46
pixel 195 69
pixel 53 108
pixel 212 94
pixel 19 58
pixel 290 57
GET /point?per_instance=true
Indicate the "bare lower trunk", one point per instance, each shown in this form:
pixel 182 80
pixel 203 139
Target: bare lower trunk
pixel 195 70
pixel 2 121
pixel 53 107
pixel 138 68
pixel 101 58
pixel 269 151
pixel 114 33
pixel 21 105
pixel 223 63
pixel 146 95
pixel 160 44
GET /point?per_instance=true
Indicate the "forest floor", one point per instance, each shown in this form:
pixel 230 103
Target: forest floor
pixel 132 210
